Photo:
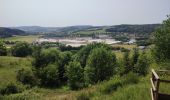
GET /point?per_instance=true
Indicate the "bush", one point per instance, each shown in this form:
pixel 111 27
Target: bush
pixel 26 76
pixel 135 56
pixel 162 41
pixel 21 49
pixel 46 56
pixel 83 54
pixel 11 88
pixel 66 58
pixel 3 50
pixel 50 76
pixel 100 65
pixel 75 75
pixel 142 65
pixel 127 63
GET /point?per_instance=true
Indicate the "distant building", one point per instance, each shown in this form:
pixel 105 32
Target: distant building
pixel 103 37
pixel 131 41
pixel 142 47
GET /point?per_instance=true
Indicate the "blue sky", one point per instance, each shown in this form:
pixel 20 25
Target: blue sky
pixel 81 12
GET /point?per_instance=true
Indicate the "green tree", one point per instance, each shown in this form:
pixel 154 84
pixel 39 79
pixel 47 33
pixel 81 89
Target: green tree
pixel 83 54
pixel 21 49
pixel 135 56
pixel 142 65
pixel 50 76
pixel 75 75
pixel 127 63
pixel 100 65
pixel 66 58
pixel 43 57
pixel 162 41
pixel 3 50
pixel 26 76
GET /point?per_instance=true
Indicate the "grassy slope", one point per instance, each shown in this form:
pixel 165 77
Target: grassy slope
pixel 139 91
pixel 29 38
pixel 91 31
pixel 126 46
pixel 9 67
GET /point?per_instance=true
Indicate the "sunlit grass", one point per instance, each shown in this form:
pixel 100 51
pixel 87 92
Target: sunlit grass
pixel 126 46
pixel 28 38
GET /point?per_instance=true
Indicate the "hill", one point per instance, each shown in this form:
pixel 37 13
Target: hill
pixel 143 29
pixel 7 32
pixel 137 29
pixel 39 29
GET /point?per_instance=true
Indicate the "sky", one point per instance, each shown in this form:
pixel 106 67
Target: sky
pixel 57 13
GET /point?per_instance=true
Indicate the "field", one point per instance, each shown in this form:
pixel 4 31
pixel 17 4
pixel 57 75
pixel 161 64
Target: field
pixel 126 46
pixel 29 38
pixel 91 31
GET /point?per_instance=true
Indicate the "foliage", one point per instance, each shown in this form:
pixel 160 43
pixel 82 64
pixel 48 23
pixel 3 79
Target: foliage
pixel 127 67
pixel 66 58
pixel 135 56
pixel 143 42
pixel 3 50
pixel 162 41
pixel 142 65
pixel 116 82
pixel 100 65
pixel 146 29
pixel 11 88
pixel 122 38
pixel 7 32
pixel 26 76
pixel 83 54
pixel 43 57
pixel 75 75
pixel 50 76
pixel 21 49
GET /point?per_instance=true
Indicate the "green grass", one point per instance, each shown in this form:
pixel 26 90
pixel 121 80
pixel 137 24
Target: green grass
pixel 28 38
pixel 102 91
pixel 91 31
pixel 10 65
pixel 126 46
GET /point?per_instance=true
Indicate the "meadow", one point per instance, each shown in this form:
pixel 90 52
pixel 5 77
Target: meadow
pixel 27 38
pixel 106 90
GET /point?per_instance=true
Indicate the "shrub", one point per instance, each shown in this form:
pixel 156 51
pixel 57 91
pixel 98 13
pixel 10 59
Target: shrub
pixel 135 56
pixel 50 76
pixel 127 63
pixel 66 58
pixel 3 50
pixel 11 88
pixel 43 57
pixel 21 49
pixel 100 65
pixel 142 65
pixel 26 76
pixel 162 41
pixel 83 54
pixel 75 75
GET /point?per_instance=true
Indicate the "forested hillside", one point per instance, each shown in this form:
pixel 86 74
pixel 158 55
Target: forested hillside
pixel 7 32
pixel 134 29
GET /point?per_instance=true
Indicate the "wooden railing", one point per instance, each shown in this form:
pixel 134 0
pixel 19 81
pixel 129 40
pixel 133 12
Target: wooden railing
pixel 155 82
